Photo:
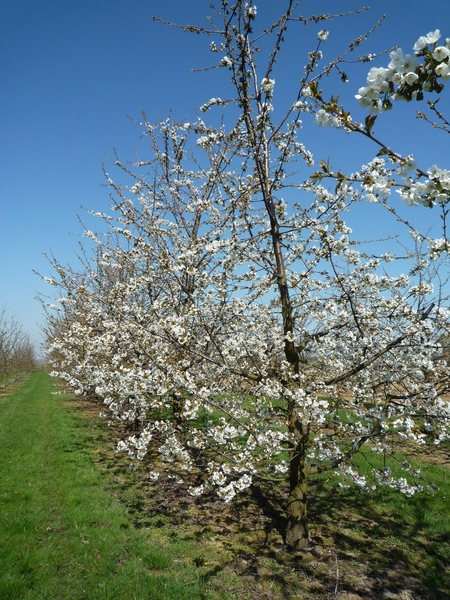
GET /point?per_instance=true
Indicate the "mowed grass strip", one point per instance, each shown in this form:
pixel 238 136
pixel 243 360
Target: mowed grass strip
pixel 62 533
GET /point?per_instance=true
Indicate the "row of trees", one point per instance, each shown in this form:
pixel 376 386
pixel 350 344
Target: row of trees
pixel 229 312
pixel 16 351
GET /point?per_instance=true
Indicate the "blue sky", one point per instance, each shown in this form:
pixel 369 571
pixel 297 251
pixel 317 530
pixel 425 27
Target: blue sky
pixel 71 71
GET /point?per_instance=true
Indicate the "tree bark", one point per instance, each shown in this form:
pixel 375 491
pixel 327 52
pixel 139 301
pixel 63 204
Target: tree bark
pixel 177 410
pixel 297 530
pixel 297 519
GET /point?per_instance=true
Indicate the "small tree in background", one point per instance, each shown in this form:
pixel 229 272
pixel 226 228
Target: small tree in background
pixel 231 295
pixel 16 351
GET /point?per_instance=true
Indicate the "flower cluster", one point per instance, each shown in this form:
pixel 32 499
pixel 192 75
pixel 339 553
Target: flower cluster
pixel 435 189
pixel 251 12
pixel 213 102
pixel 405 78
pixel 267 86
pixel 226 62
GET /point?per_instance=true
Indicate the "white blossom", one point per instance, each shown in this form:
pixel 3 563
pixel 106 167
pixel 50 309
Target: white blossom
pixel 267 86
pixel 433 36
pixel 226 62
pixel 251 11
pixel 441 53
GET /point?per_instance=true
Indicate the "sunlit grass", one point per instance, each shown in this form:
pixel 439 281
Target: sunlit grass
pixel 63 533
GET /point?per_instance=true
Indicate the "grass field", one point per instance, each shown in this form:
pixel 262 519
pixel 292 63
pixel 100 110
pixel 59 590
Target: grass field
pixel 80 522
pixel 63 534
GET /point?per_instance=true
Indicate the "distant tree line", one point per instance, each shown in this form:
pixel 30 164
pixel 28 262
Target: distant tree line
pixel 17 355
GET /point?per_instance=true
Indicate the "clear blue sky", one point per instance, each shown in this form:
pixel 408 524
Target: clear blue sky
pixel 71 71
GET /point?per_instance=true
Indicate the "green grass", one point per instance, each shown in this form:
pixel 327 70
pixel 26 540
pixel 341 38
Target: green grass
pixel 63 533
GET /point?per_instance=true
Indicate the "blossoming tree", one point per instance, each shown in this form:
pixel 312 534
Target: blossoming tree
pixel 232 315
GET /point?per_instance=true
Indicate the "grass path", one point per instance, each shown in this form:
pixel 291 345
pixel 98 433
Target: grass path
pixel 62 534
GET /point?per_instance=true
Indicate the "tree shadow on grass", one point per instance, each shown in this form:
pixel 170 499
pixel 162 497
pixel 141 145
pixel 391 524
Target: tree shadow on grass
pixel 388 550
pixel 358 545
pixel 361 545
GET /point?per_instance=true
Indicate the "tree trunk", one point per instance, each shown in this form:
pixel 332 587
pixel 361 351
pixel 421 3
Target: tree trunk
pixel 177 410
pixel 297 521
pixel 297 531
